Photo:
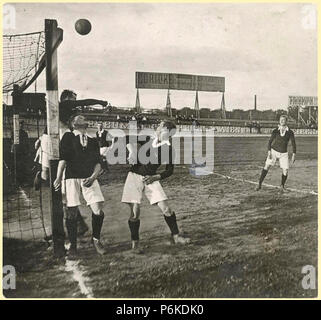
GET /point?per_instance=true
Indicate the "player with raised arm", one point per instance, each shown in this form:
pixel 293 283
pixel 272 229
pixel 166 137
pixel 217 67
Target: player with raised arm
pixel 67 108
pixel 80 159
pixel 143 178
pixel 278 150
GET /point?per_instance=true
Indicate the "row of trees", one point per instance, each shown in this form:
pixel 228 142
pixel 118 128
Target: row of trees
pixel 308 115
pixel 207 113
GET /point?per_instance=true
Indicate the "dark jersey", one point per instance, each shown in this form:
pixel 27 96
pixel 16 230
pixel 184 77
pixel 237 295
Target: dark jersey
pixel 102 140
pixel 162 155
pixel 280 143
pixel 81 161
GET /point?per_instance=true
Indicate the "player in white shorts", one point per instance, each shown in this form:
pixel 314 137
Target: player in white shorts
pixel 278 150
pixel 143 179
pixel 80 158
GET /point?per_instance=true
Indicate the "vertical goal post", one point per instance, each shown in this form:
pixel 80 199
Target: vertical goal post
pixel 53 38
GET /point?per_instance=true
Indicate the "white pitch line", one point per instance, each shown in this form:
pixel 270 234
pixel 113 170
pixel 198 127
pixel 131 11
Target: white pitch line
pixel 79 277
pixel 265 184
pixel 71 266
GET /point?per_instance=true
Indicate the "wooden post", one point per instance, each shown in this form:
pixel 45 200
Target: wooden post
pixel 53 39
pixel 196 106
pixel 137 105
pixel 168 105
pixel 223 113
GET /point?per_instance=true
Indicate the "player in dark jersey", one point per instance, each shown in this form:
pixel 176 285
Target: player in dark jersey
pixel 278 150
pixel 68 106
pixel 143 178
pixel 78 169
pixel 105 145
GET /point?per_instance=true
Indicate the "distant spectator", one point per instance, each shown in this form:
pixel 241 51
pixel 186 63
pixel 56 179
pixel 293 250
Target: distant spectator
pixel 103 143
pixel 258 127
pixel 42 159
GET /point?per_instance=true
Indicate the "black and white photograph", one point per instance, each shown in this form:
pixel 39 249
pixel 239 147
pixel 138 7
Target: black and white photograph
pixel 159 151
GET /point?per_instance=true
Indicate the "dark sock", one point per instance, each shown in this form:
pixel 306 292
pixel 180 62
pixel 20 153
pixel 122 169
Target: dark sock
pixel 71 225
pixel 81 221
pixel 263 175
pixel 134 229
pixel 283 179
pixel 172 224
pixel 97 223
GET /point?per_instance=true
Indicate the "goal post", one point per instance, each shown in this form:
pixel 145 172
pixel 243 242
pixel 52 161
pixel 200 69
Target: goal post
pixel 53 37
pixel 25 57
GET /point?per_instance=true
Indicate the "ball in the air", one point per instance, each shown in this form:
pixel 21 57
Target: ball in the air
pixel 83 26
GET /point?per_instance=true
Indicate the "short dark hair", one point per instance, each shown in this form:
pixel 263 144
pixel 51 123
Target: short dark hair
pixel 66 111
pixel 170 126
pixel 67 94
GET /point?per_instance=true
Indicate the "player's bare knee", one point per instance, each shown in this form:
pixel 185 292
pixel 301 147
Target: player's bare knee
pixel 167 211
pixel 136 211
pixel 97 207
pixel 285 172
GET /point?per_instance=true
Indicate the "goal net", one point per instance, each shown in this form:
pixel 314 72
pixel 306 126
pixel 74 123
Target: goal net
pixel 25 211
pixel 22 54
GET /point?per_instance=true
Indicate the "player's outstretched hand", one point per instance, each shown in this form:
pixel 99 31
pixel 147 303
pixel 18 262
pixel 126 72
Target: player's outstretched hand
pixel 88 182
pixel 150 179
pixel 57 184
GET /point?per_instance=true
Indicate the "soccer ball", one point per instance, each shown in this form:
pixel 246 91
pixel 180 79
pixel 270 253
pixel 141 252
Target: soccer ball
pixel 83 26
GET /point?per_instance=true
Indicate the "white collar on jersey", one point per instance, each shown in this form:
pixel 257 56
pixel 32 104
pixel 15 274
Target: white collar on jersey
pixel 77 133
pixel 282 133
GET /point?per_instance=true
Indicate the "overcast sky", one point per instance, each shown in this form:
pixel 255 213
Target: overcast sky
pixel 261 49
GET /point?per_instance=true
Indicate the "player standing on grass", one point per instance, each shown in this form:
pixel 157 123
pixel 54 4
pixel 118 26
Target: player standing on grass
pixel 278 150
pixel 143 178
pixel 79 155
pixel 68 107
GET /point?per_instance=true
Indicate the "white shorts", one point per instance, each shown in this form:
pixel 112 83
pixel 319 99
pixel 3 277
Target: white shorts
pixel 134 188
pixel 282 157
pixel 73 188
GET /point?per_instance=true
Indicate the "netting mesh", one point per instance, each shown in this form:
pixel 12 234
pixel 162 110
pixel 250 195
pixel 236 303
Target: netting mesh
pixel 26 213
pixel 21 56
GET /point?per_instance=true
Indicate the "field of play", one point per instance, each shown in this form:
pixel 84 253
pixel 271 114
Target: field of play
pixel 243 243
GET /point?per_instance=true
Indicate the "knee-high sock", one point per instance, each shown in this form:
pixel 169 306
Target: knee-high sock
pixel 81 221
pixel 97 223
pixel 71 225
pixel 134 229
pixel 263 175
pixel 172 224
pixel 283 179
